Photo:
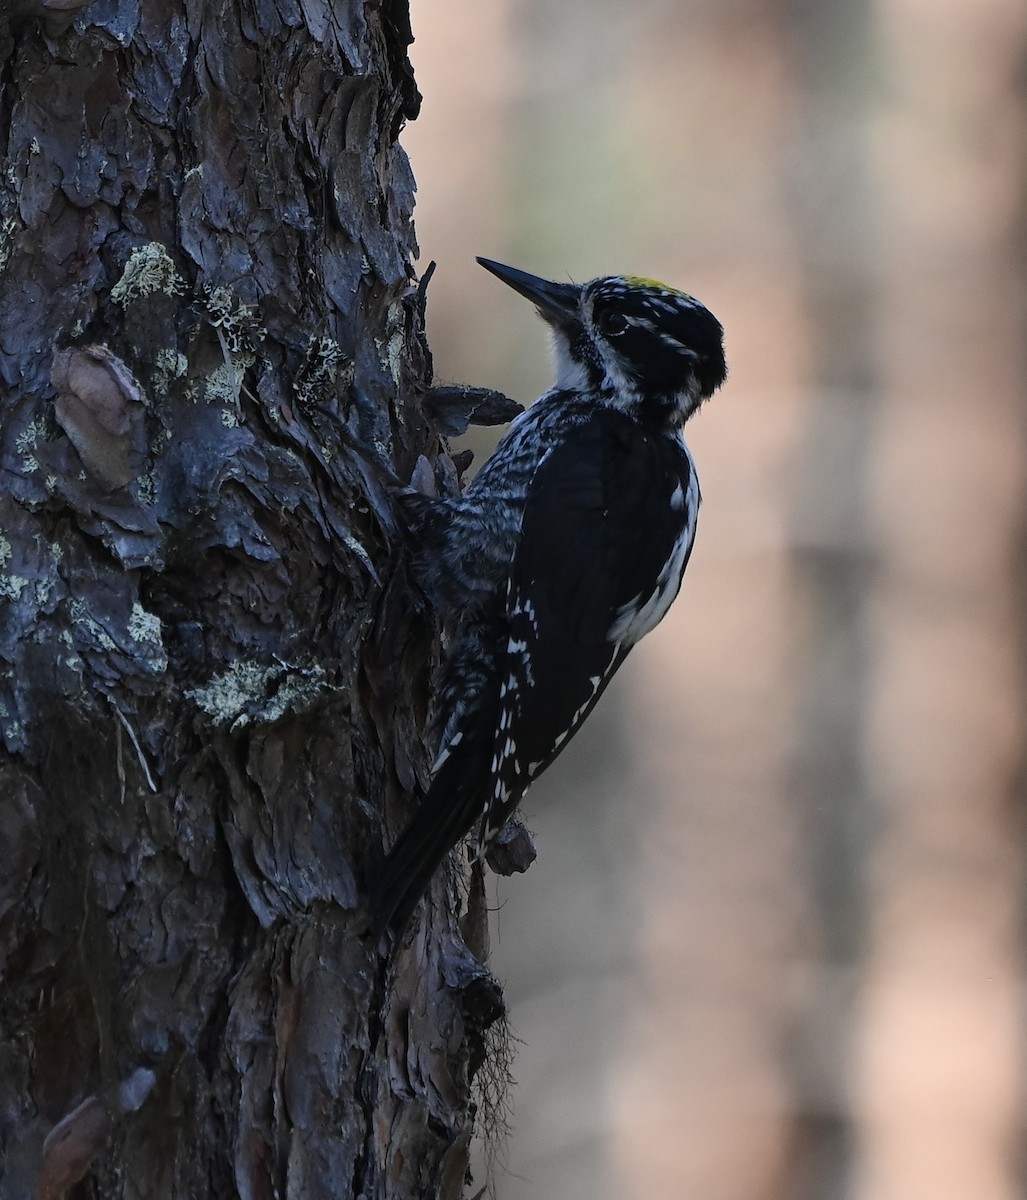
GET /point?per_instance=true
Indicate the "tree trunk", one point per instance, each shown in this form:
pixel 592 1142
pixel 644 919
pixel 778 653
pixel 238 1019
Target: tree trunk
pixel 214 672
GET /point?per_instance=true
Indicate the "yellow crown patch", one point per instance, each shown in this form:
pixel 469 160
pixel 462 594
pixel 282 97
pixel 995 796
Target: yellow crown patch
pixel 641 281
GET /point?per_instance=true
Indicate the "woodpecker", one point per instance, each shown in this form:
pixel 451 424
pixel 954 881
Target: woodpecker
pixel 567 548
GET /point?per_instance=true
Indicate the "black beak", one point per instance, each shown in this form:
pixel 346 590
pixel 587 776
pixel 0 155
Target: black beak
pixel 557 303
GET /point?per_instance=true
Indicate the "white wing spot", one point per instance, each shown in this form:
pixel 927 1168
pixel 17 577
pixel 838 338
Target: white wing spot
pixel 447 749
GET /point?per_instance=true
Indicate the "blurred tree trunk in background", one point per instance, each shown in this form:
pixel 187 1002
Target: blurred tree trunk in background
pixel 833 50
pixel 782 877
pixel 213 675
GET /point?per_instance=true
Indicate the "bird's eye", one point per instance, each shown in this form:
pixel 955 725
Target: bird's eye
pixel 613 323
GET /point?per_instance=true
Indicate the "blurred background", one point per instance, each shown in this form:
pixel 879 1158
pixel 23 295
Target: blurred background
pixel 772 946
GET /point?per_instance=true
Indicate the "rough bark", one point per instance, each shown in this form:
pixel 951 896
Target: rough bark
pixel 214 674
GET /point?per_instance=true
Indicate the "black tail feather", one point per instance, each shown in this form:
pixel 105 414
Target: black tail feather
pixel 444 817
pixel 455 800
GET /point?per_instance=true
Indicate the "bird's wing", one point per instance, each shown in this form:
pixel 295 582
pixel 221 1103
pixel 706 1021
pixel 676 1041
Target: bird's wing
pixel 605 536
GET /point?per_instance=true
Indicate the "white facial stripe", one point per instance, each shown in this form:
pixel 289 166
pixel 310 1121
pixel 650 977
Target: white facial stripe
pixel 667 339
pixel 676 346
pixel 570 374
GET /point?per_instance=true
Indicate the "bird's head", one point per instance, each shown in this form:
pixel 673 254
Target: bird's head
pixel 640 345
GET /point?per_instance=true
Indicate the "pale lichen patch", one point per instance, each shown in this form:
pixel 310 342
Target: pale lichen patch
pixel 170 364
pixel 326 369
pixel 396 339
pixel 12 586
pixel 25 443
pixel 222 385
pixel 81 615
pixel 149 271
pixel 237 324
pixel 146 488
pixel 144 626
pixel 7 228
pixel 145 629
pixel 240 694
